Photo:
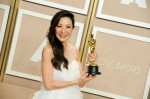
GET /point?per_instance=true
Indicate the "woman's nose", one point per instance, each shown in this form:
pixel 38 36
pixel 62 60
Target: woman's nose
pixel 63 30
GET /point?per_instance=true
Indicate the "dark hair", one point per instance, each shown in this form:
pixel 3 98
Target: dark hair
pixel 58 49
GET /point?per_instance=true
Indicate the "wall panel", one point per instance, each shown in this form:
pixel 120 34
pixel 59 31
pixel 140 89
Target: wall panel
pixel 124 63
pixel 6 2
pixel 121 49
pixel 71 5
pixel 93 96
pixel 134 12
pixel 4 11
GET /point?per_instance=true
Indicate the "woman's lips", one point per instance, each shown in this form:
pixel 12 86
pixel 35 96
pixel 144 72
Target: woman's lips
pixel 62 36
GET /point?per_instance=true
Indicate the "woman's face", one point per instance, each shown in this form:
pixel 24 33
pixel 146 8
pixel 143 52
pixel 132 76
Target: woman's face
pixel 63 29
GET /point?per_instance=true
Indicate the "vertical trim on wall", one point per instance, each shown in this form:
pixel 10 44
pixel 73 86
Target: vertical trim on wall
pixel 3 27
pixel 88 29
pixel 8 36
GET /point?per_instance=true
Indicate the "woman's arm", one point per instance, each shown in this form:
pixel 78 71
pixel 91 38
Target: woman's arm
pixel 47 72
pixel 84 76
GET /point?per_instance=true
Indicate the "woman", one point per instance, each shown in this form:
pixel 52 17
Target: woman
pixel 61 70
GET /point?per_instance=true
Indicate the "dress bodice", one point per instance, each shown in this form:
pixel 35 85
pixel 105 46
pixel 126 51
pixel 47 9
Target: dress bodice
pixel 70 74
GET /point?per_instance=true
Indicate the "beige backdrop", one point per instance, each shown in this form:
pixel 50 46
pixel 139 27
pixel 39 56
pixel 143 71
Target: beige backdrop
pixel 124 64
pixel 72 3
pixel 108 49
pixel 6 2
pixel 131 11
pixel 4 12
pixel 1 17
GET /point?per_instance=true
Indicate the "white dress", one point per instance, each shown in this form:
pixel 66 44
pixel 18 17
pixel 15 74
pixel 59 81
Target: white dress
pixel 71 92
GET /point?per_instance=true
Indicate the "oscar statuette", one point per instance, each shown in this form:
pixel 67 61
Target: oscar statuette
pixel 93 68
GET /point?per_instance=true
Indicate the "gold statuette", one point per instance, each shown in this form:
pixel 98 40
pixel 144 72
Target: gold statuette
pixel 92 68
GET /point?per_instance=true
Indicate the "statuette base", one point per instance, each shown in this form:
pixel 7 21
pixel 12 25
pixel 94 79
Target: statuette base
pixel 93 70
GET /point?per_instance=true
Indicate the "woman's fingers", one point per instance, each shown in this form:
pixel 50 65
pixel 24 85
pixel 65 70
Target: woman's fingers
pixel 92 56
pixel 85 76
pixel 89 78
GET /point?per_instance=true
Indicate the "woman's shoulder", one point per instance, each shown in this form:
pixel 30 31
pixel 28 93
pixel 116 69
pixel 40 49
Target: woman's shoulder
pixel 76 52
pixel 75 48
pixel 48 49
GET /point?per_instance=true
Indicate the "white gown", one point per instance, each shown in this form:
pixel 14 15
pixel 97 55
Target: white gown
pixel 71 92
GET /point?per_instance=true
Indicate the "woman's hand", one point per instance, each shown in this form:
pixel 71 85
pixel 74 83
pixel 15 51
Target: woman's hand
pixel 85 78
pixel 91 57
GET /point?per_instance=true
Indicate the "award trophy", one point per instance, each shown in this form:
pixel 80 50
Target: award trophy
pixel 92 68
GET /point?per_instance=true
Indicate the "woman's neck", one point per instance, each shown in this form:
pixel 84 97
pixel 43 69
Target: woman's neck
pixel 64 44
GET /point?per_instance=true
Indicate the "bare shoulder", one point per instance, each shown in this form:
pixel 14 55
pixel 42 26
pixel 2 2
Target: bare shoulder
pixel 76 50
pixel 47 50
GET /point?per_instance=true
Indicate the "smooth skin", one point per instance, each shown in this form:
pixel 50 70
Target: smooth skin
pixel 63 32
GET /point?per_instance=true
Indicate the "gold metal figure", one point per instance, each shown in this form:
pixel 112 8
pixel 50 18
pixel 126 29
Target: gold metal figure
pixel 92 44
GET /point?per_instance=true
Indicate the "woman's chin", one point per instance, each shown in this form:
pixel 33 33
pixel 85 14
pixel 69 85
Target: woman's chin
pixel 63 39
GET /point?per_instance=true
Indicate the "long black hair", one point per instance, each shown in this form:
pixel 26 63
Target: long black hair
pixel 58 49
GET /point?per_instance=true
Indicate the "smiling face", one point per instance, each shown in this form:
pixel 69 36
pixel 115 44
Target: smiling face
pixel 63 29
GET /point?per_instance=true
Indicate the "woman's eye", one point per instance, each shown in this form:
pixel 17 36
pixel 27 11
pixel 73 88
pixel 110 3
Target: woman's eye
pixel 58 26
pixel 68 27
